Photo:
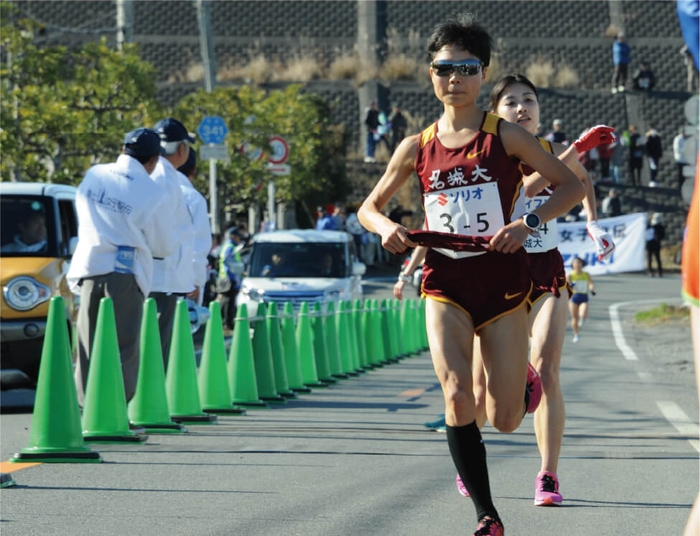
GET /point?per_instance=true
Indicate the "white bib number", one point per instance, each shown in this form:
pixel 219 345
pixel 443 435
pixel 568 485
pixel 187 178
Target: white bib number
pixel 468 210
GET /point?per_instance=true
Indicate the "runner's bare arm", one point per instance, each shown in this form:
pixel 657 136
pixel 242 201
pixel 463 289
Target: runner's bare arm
pixel 399 169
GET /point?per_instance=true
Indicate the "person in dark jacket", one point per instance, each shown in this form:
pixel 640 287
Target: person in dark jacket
pixel 654 234
pixel 644 79
pixel 622 55
pixel 654 151
pixel 372 124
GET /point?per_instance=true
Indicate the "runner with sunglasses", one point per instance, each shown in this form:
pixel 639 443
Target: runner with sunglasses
pixel 468 168
pixel 515 99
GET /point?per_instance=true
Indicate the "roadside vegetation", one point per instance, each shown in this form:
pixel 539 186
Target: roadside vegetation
pixel 663 314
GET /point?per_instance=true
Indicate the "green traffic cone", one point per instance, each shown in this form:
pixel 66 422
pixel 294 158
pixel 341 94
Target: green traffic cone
pixel 181 379
pixel 414 321
pixel 291 352
pixel 105 417
pixel 241 367
pixel 332 349
pixel 262 356
pixel 318 333
pixel 344 344
pixel 368 334
pixel 349 311
pixel 277 352
pixel 55 434
pixel 388 329
pixel 377 333
pixel 406 327
pixel 357 313
pixel 213 378
pixel 305 344
pixel 149 407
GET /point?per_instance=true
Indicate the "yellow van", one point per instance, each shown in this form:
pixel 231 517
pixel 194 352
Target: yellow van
pixel 38 235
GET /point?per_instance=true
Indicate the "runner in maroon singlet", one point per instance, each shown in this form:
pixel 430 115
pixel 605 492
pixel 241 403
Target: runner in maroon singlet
pixel 468 166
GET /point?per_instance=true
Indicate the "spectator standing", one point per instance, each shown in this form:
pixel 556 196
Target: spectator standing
pixel 354 227
pixel 654 152
pixel 173 276
pixel 691 75
pixel 325 220
pixel 399 125
pixel 338 215
pixel 197 207
pixel 644 79
pixel 229 281
pixel 679 155
pixel 124 221
pixel 372 124
pixel 654 234
pixel 557 135
pixel 617 156
pixel 621 55
pixel 635 145
pixel 605 153
pixel 611 205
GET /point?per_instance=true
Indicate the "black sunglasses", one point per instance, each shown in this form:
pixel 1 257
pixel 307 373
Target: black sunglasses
pixel 470 67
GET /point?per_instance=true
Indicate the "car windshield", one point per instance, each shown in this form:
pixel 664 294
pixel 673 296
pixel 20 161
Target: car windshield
pixel 298 259
pixel 26 226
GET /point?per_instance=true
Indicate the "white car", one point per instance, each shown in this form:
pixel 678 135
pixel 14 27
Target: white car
pixel 301 266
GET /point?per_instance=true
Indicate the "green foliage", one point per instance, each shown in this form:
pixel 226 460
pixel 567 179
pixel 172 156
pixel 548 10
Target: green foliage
pixel 662 314
pixel 253 116
pixel 63 110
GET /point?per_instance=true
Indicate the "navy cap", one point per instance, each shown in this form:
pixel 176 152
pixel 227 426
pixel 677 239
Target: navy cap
pixel 142 142
pixel 171 129
pixel 190 165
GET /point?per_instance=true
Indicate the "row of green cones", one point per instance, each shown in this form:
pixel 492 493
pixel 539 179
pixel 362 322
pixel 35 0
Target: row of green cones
pixel 288 354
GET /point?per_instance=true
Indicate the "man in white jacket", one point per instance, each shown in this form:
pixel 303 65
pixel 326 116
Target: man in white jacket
pixel 173 276
pixel 122 224
pixel 197 206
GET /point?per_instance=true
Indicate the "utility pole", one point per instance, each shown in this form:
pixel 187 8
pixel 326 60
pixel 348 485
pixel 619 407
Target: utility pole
pixel 125 22
pixel 206 45
pixel 371 33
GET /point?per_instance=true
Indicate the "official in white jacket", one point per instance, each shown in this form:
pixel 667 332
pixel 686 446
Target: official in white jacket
pixel 197 207
pixel 173 276
pixel 122 225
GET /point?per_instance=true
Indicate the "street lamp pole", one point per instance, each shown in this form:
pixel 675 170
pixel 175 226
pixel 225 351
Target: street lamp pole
pixel 206 45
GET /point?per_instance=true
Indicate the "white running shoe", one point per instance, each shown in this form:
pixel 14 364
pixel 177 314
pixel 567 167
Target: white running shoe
pixel 575 339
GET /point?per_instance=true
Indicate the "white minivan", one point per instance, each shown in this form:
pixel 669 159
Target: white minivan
pixel 301 266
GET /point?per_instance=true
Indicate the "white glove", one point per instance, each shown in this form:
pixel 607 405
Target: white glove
pixel 603 240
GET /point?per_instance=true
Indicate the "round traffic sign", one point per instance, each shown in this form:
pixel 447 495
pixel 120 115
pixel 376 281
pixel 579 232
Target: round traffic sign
pixel 279 150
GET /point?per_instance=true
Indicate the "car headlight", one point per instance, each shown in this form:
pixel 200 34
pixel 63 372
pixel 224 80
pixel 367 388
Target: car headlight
pixel 25 293
pixel 253 294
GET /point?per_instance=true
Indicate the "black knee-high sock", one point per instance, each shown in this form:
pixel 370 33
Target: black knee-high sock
pixel 469 456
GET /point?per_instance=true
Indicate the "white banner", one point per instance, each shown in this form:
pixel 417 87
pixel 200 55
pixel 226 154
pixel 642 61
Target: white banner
pixel 628 234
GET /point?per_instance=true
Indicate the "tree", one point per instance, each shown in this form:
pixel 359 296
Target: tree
pixel 63 110
pixel 253 116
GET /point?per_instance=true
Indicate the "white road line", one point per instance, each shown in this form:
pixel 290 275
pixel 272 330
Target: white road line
pixel 616 325
pixel 680 421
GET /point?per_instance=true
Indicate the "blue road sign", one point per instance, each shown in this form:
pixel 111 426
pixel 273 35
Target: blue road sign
pixel 212 129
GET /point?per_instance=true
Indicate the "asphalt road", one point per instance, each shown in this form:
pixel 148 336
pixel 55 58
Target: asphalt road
pixel 354 459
